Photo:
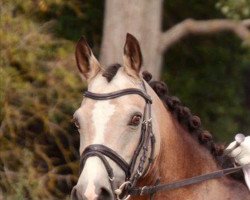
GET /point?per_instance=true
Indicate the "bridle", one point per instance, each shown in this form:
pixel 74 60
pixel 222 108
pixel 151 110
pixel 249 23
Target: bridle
pixel 140 156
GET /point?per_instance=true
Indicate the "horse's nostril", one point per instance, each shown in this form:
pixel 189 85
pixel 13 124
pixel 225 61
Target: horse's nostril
pixel 105 194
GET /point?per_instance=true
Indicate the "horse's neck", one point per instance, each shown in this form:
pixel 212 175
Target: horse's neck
pixel 180 157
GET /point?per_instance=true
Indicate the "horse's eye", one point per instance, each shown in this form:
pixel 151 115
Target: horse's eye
pixel 75 121
pixel 135 120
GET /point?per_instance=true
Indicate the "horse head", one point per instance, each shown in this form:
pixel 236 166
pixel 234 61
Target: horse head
pixel 117 140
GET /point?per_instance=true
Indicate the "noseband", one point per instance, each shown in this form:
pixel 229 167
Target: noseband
pixel 147 139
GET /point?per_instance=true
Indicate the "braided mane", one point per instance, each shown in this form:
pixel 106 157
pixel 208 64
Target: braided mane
pixel 191 123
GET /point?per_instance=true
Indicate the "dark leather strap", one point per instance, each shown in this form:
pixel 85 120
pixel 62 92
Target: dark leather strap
pixel 104 150
pixel 138 149
pixel 147 190
pixel 106 164
pixel 101 157
pixel 113 95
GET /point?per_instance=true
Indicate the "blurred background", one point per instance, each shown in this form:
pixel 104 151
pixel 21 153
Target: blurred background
pixel 40 87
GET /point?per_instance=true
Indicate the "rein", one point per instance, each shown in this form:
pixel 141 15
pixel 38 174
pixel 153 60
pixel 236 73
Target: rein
pixel 147 138
pixel 150 190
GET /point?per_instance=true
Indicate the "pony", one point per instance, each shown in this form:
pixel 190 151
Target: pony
pixel 111 123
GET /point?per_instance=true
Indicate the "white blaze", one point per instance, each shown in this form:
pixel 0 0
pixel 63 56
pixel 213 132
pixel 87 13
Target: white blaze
pixel 101 114
pixel 90 177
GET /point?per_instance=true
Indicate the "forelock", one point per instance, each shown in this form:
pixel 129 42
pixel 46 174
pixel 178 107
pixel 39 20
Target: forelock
pixel 111 71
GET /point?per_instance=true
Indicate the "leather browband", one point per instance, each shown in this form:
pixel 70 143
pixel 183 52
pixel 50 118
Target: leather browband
pixel 113 95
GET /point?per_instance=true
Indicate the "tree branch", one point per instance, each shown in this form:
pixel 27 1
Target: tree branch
pixel 202 27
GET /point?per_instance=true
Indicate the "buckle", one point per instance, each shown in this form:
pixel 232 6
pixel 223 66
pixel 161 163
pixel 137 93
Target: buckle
pixel 119 191
pixel 142 190
pixel 147 121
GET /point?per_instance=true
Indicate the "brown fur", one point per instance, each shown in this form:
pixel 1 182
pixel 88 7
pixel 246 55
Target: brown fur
pixel 189 122
pixel 184 154
pixel 133 52
pixel 83 54
pixel 85 60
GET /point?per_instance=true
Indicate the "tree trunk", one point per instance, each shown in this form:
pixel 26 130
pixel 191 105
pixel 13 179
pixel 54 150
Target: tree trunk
pixel 142 18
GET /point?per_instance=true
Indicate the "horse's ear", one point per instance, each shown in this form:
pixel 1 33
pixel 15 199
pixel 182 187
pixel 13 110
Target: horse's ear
pixel 132 56
pixel 85 60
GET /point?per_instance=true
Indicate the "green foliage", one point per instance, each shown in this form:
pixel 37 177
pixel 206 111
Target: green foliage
pixel 39 91
pixel 208 73
pixel 235 9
